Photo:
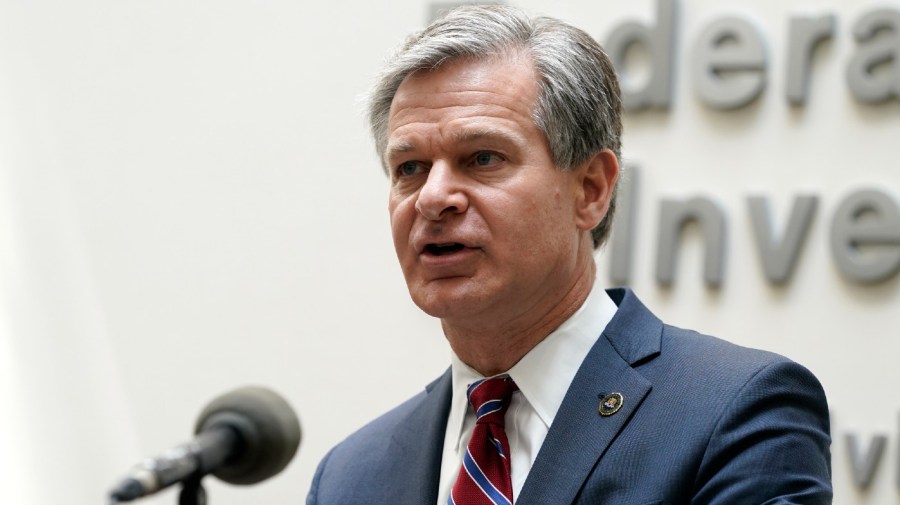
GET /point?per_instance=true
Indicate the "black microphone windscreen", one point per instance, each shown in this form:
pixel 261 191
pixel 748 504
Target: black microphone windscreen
pixel 268 433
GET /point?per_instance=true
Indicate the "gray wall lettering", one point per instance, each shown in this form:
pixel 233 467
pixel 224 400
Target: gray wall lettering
pixel 659 41
pixel 621 244
pixel 806 33
pixel 729 63
pixel 865 237
pixel 674 215
pixel 873 73
pixel 779 257
pixel 863 466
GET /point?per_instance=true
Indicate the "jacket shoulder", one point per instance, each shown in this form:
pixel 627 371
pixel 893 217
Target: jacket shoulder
pixel 369 463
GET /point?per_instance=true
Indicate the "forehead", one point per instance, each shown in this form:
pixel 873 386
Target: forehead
pixel 501 91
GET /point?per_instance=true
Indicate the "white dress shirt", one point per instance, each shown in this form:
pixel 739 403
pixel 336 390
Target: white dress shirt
pixel 543 376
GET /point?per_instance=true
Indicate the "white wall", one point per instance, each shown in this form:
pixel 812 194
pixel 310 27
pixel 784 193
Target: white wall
pixel 189 202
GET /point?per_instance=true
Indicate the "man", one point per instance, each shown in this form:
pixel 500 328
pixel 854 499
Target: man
pixel 501 137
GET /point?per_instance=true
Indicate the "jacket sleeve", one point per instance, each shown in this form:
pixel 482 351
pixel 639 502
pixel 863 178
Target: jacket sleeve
pixel 771 445
pixel 312 497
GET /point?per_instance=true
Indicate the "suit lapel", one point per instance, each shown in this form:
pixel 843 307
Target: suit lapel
pixel 579 435
pixel 417 445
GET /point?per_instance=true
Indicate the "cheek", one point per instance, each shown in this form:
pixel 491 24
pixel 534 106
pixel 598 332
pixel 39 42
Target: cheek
pixel 552 222
pixel 401 218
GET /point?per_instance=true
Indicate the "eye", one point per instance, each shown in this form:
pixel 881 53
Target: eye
pixel 486 158
pixel 408 168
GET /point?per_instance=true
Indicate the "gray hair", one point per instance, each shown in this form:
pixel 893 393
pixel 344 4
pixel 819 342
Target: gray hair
pixel 579 105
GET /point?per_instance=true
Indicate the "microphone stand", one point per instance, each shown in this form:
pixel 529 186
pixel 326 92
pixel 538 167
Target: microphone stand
pixel 192 492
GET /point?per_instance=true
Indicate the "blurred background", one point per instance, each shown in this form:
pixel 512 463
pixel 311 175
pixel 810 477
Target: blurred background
pixel 190 202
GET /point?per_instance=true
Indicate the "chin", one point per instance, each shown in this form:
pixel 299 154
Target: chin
pixel 445 305
pixel 433 308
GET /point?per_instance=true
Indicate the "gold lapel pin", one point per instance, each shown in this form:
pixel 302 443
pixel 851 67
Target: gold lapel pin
pixel 611 403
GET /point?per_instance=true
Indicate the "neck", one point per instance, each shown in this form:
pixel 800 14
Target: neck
pixel 493 345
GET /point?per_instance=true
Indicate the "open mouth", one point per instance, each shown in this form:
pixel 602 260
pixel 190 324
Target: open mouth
pixel 442 249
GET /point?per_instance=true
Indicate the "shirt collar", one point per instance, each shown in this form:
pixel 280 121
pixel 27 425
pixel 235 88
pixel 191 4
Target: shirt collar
pixel 544 374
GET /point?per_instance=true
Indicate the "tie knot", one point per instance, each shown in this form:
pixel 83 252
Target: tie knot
pixel 490 398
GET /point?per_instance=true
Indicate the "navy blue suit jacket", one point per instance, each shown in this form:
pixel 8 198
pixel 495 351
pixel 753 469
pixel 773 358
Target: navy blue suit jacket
pixel 703 421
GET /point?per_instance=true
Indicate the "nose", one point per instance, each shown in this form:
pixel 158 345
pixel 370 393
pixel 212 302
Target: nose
pixel 443 193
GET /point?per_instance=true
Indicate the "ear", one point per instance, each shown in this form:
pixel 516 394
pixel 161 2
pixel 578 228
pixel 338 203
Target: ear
pixel 597 177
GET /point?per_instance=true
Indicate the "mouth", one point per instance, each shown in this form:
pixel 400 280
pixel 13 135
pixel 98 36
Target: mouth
pixel 443 248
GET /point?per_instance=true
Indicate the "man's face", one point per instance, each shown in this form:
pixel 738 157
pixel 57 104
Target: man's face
pixel 483 222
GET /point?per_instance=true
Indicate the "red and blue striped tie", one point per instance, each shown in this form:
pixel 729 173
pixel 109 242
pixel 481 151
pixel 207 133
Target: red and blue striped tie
pixel 484 478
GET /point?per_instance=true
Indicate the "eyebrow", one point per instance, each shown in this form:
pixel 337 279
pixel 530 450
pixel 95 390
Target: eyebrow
pixel 460 137
pixel 399 147
pixel 474 134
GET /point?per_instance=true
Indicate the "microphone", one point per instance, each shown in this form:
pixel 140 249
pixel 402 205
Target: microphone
pixel 242 437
